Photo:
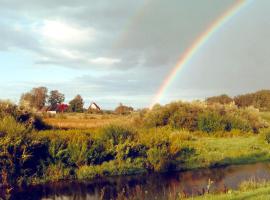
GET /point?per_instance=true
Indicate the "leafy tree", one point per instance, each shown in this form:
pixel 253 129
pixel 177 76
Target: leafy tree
pixel 259 99
pixel 222 99
pixel 244 100
pixel 122 109
pixel 36 98
pixel 55 98
pixel 76 104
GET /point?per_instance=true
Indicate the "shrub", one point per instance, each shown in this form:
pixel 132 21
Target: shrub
pixel 130 150
pixel 123 110
pixel 158 158
pixel 210 122
pixel 57 172
pixel 20 153
pixel 99 153
pixel 116 134
pixel 86 172
pixel 23 116
pixel 267 136
pixel 205 117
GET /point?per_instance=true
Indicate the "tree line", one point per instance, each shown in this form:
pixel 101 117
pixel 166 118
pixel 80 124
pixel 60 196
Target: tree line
pixel 259 100
pixel 40 99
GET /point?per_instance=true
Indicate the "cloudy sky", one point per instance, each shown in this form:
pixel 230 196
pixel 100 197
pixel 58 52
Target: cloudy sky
pixel 121 50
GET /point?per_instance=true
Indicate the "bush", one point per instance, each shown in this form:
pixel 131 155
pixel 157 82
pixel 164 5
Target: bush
pixel 20 153
pixel 267 136
pixel 23 116
pixel 57 172
pixel 204 117
pixel 117 134
pixel 158 158
pixel 210 122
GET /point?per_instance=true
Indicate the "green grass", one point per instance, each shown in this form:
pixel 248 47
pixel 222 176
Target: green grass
pixel 83 120
pixel 212 151
pixel 265 116
pixel 257 194
pixel 260 193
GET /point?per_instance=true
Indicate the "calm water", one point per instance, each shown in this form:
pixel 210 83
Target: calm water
pixel 153 186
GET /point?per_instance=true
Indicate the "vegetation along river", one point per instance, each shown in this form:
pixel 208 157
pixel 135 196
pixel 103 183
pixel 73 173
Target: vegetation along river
pixel 150 186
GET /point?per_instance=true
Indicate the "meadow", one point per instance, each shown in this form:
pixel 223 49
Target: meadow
pixel 82 120
pixel 178 136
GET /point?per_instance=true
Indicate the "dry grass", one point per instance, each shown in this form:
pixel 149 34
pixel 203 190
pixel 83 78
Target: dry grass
pixel 83 121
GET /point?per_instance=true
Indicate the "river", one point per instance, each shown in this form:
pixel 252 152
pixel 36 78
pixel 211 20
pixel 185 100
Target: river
pixel 149 186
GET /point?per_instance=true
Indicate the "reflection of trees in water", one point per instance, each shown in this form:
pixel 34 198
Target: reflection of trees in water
pixel 148 185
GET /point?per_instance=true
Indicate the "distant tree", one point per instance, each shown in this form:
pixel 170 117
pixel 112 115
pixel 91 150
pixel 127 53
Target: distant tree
pixel 36 98
pixel 222 99
pixel 26 100
pixel 55 98
pixel 244 100
pixel 76 104
pixel 261 100
pixel 122 109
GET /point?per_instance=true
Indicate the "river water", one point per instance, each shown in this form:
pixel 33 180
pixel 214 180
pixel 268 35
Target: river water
pixel 149 186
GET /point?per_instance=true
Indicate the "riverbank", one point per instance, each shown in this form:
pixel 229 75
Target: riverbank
pixel 162 186
pixel 247 191
pixel 178 136
pixel 55 155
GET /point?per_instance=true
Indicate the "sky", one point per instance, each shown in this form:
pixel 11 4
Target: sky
pixel 122 50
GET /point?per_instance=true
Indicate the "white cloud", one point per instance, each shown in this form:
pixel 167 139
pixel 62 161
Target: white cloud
pixel 63 33
pixel 105 61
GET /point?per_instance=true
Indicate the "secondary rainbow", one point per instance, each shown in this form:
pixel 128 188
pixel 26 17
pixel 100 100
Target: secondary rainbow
pixel 196 45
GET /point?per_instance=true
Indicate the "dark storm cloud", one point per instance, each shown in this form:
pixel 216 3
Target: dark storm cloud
pixel 125 49
pixel 149 33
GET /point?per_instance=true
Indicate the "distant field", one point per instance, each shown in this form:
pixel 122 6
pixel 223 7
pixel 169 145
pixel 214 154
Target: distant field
pixel 83 120
pixel 265 116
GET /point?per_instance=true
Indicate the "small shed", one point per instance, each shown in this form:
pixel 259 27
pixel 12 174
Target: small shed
pixel 94 106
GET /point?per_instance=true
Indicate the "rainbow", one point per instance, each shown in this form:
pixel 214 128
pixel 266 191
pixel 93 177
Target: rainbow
pixel 196 45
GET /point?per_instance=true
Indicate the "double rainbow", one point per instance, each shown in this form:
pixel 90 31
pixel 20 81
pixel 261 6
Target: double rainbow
pixel 196 45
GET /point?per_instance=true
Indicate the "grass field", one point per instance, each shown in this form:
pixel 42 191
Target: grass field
pixel 83 120
pixel 213 151
pixel 265 116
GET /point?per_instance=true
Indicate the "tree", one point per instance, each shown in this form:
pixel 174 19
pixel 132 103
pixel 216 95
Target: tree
pixel 55 98
pixel 36 98
pixel 222 99
pixel 262 100
pixel 26 100
pixel 244 100
pixel 122 109
pixel 259 99
pixel 76 104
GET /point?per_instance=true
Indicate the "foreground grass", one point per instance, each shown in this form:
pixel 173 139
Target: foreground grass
pixel 250 191
pixel 257 194
pixel 202 152
pixel 213 151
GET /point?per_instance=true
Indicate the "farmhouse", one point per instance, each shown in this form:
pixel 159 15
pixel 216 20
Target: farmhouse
pixel 94 106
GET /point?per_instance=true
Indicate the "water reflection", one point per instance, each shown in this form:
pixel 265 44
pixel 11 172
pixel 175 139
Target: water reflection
pixel 153 186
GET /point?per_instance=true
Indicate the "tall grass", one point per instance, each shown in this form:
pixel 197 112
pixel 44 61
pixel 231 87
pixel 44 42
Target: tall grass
pixel 174 137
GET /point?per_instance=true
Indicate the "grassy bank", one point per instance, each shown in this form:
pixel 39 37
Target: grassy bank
pixel 248 190
pixel 177 136
pixel 213 151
